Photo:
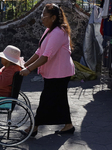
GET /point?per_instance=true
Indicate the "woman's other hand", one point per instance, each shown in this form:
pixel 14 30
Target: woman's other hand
pixel 24 72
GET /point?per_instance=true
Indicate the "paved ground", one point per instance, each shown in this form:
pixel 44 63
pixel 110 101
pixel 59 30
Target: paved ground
pixel 91 112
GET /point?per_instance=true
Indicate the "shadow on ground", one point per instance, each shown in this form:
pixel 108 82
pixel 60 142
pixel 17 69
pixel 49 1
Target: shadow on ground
pixel 48 142
pixel 96 129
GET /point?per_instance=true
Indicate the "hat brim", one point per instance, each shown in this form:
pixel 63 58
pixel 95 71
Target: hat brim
pixel 19 62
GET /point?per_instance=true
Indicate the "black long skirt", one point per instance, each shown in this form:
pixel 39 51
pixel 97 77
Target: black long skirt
pixel 53 107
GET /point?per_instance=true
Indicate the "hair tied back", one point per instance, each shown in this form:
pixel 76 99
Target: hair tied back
pixel 56 6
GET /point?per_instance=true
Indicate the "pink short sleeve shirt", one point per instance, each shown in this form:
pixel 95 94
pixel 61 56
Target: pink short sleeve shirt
pixel 57 48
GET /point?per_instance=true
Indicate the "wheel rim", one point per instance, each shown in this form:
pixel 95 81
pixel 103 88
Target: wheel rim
pixel 15 135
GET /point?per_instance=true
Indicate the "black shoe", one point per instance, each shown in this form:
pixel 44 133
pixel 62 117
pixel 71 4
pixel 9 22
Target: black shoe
pixel 70 131
pixel 34 133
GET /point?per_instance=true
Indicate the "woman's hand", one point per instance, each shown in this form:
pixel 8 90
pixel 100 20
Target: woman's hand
pixel 24 72
pixel 39 62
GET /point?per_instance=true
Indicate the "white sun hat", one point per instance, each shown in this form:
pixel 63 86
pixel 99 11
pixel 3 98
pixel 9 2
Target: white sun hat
pixel 12 54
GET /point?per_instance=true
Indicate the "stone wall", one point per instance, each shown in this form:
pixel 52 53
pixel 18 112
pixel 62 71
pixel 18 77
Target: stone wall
pixel 26 31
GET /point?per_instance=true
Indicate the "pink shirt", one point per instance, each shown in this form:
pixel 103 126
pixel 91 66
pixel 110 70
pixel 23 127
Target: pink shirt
pixel 56 46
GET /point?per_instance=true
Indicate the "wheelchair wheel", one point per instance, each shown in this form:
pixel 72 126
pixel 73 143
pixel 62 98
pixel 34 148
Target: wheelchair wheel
pixel 22 97
pixel 11 125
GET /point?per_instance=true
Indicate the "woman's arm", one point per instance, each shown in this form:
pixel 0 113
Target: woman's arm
pixel 39 62
pixel 31 60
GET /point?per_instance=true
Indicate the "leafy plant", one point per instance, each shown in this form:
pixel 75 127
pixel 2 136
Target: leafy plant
pixel 14 9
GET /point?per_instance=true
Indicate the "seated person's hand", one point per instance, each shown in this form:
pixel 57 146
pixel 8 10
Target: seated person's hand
pixel 24 72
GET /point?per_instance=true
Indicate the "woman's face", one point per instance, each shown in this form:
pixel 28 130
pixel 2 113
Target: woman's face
pixel 5 62
pixel 47 19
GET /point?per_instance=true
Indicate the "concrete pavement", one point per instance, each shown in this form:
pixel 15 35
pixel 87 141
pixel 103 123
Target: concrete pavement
pixel 91 113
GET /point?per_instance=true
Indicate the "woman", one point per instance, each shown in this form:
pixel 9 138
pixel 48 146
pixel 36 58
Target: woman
pixel 56 66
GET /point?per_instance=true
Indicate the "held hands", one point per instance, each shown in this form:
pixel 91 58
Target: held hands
pixel 24 72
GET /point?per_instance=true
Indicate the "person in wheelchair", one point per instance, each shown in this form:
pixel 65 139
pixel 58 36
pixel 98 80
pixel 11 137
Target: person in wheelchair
pixel 12 62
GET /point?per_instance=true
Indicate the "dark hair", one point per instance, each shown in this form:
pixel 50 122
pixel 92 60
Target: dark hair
pixel 61 20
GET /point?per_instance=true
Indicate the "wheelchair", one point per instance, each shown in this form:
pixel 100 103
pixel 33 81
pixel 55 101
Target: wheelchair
pixel 15 115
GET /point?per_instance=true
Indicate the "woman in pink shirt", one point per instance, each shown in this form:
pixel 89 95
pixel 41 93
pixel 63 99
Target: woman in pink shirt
pixel 54 62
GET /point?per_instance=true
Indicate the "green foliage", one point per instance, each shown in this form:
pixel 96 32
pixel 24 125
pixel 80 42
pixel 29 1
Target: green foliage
pixel 17 8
